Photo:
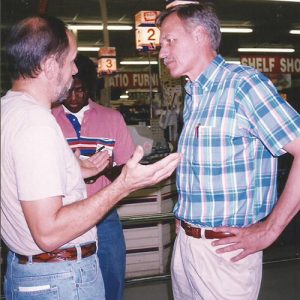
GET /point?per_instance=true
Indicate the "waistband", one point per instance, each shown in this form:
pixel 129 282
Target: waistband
pixel 198 233
pixel 59 255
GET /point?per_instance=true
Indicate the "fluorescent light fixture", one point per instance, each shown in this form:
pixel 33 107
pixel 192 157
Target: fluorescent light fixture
pixel 99 27
pixel 294 31
pixel 119 27
pixel 138 62
pixel 236 30
pixel 286 0
pixel 124 97
pixel 278 50
pixel 88 48
pixel 236 62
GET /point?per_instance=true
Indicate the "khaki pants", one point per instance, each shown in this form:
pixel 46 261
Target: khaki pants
pixel 198 272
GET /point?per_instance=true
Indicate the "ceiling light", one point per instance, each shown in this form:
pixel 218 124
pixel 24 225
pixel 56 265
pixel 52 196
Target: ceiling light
pixel 295 31
pixel 286 0
pixel 236 30
pixel 281 50
pixel 236 62
pixel 124 97
pixel 99 27
pixel 138 62
pixel 88 48
pixel 119 27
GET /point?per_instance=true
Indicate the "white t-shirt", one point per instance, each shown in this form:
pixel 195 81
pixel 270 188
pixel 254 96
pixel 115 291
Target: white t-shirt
pixel 36 163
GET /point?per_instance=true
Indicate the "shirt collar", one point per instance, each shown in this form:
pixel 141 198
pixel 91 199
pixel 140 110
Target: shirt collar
pixel 79 115
pixel 205 79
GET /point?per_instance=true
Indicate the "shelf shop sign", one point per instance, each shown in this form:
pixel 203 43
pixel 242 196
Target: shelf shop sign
pixel 107 63
pixel 132 80
pixel 146 33
pixel 273 64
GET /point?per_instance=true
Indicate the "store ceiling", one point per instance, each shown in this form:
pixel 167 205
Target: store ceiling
pixel 270 20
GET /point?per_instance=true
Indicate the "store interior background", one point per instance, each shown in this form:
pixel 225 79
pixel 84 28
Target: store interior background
pixel 149 212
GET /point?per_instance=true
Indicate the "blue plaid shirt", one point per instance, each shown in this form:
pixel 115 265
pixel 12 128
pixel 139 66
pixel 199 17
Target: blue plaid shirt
pixel 235 125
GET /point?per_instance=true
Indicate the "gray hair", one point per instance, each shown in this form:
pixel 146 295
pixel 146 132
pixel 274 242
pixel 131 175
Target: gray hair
pixel 192 15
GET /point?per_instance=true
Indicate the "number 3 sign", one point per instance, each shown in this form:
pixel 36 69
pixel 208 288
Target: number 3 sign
pixel 107 63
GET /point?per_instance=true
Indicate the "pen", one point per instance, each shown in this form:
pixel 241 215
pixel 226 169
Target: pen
pixel 197 130
pixel 99 149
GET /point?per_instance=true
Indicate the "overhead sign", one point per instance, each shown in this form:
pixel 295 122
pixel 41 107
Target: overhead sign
pixel 147 38
pixel 145 17
pixel 146 33
pixel 107 63
pixel 132 80
pixel 273 64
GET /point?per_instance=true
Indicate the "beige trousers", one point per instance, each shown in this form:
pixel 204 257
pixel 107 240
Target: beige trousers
pixel 198 272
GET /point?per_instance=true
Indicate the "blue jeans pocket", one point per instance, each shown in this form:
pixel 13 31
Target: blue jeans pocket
pixel 88 273
pixel 46 293
pixel 41 287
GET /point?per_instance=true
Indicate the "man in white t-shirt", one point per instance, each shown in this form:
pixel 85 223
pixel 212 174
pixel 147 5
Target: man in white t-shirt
pixel 47 222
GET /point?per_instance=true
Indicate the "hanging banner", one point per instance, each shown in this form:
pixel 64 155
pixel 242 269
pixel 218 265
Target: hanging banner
pixel 107 63
pixel 134 80
pixel 146 33
pixel 273 64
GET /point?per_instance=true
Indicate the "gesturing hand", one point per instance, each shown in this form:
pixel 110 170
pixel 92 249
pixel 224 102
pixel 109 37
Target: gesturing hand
pixel 135 176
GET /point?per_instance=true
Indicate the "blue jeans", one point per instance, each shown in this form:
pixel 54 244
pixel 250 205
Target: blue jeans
pixel 112 255
pixel 68 280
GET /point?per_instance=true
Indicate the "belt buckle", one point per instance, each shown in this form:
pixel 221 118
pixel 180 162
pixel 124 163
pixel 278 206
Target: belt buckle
pixel 188 229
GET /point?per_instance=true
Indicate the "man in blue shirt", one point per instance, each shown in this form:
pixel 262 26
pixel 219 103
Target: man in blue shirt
pixel 235 126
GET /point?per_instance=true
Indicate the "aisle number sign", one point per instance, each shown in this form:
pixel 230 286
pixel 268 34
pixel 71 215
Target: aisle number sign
pixel 146 33
pixel 107 63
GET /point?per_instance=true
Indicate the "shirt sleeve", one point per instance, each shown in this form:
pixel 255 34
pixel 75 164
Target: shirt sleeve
pixel 271 118
pixel 124 147
pixel 39 162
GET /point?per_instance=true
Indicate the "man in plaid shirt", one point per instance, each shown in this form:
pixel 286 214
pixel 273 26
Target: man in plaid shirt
pixel 235 127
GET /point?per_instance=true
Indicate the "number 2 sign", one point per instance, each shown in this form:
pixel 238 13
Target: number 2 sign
pixel 146 33
pixel 147 37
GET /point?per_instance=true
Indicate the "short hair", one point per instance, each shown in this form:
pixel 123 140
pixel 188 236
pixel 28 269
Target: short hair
pixel 194 14
pixel 87 73
pixel 33 40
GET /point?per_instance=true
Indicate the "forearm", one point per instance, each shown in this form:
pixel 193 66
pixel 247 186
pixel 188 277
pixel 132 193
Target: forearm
pixel 83 215
pixel 52 224
pixel 70 221
pixel 288 204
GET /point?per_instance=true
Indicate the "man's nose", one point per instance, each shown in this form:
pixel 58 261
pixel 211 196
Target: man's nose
pixel 75 69
pixel 162 52
pixel 72 94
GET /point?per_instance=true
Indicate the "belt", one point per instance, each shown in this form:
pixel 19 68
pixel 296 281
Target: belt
pixel 59 255
pixel 198 233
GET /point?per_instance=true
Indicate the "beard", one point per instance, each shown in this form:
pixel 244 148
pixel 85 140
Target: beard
pixel 62 93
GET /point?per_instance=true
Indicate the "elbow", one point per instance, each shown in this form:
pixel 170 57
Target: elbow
pixel 47 243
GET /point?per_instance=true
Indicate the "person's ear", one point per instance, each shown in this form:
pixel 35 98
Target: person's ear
pixel 50 67
pixel 199 34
